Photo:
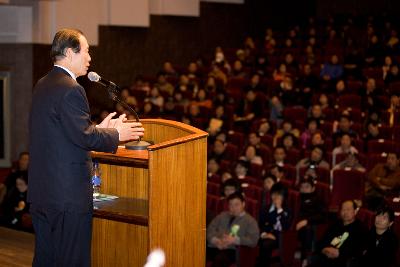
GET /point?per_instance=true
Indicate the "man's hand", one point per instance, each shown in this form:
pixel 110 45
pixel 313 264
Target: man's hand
pixel 128 130
pixel 301 224
pixel 107 121
pixel 265 235
pixel 228 240
pixel 331 252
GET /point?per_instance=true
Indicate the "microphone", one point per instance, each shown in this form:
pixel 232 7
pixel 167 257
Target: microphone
pixel 94 77
pixel 113 92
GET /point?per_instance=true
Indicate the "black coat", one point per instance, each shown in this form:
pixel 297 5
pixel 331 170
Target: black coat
pixel 61 138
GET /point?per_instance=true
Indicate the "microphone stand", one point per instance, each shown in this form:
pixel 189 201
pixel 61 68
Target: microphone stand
pixel 113 92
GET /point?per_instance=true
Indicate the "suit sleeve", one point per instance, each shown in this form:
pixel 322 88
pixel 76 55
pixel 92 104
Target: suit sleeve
pixel 76 123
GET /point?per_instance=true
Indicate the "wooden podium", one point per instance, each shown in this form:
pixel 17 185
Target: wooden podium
pixel 162 199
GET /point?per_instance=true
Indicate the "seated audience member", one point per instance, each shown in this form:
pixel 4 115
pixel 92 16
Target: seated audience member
pixel 276 108
pixel 316 113
pixel 226 176
pixel 372 133
pixel 344 148
pixel 217 122
pixel 351 162
pixel 343 243
pixel 241 169
pixel 229 187
pixel 382 242
pixel 332 70
pixel 315 160
pixel 213 167
pixel 287 128
pixel 311 213
pixel 342 127
pixel 317 139
pixel 218 151
pixel 230 229
pixel 394 107
pixel 251 155
pixel 15 204
pixel 268 181
pixel 383 180
pixel 273 220
pixel 10 181
pixel 279 156
pixel 264 128
pixel 249 108
pixel 278 172
pixel 312 128
pixel 255 140
pixel 288 141
pixel 164 85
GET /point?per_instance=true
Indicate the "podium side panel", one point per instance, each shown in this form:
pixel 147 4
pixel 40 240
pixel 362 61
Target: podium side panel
pixel 177 202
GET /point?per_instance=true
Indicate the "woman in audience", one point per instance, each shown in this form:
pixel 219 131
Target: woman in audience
pixel 273 220
pixel 344 148
pixel 311 213
pixel 15 204
pixel 251 155
pixel 382 242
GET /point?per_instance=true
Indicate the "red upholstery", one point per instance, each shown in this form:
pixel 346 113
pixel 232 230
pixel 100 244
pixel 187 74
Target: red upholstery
pixel 347 184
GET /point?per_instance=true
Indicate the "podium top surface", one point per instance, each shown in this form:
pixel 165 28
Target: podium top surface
pixel 124 156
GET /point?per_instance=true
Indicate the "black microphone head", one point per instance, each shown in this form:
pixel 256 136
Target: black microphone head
pixel 93 76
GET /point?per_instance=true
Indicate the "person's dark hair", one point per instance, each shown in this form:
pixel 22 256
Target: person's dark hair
pixel 279 189
pixel 231 182
pixel 279 146
pixel 244 164
pixel 219 140
pixel 24 153
pixel 308 180
pixel 279 168
pixel 64 39
pixel 236 195
pixel 386 209
pixel 320 148
pixel 271 176
pixel 218 161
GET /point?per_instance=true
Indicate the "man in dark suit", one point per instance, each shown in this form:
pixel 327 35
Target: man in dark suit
pixel 61 136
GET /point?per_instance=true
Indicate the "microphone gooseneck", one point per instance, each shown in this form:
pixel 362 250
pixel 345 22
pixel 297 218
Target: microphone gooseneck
pixel 113 92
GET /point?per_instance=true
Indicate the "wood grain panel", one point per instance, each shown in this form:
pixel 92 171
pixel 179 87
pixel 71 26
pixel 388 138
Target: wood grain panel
pixel 177 202
pixel 16 248
pixel 118 244
pixel 124 181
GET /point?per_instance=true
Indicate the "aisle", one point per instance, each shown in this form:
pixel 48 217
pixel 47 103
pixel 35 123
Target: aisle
pixel 16 248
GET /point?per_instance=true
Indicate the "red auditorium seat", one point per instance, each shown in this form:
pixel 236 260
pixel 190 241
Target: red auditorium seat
pixel 381 146
pixel 349 100
pixel 367 217
pixel 323 174
pixel 232 151
pixel 373 159
pixel 253 192
pixel 324 193
pixel 353 86
pixel 213 203
pixel 256 170
pixel 346 184
pixel 293 203
pixel 236 138
pixel 295 113
pixel 293 156
pixel 267 140
pixel 213 189
pixel 385 131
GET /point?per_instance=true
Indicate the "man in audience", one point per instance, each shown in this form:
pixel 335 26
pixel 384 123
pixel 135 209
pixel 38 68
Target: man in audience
pixel 382 242
pixel 383 180
pixel 311 163
pixel 342 127
pixel 344 148
pixel 21 170
pixel 311 213
pixel 219 152
pixel 343 242
pixel 230 229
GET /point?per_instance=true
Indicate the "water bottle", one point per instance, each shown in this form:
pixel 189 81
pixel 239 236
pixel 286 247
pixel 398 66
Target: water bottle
pixel 96 180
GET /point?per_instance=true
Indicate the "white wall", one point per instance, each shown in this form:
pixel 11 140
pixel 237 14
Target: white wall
pixel 15 24
pixel 225 1
pixel 175 7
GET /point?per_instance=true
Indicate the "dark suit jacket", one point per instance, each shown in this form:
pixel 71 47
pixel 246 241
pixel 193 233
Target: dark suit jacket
pixel 61 136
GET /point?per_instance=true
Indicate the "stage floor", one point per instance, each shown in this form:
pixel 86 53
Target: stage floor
pixel 16 248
